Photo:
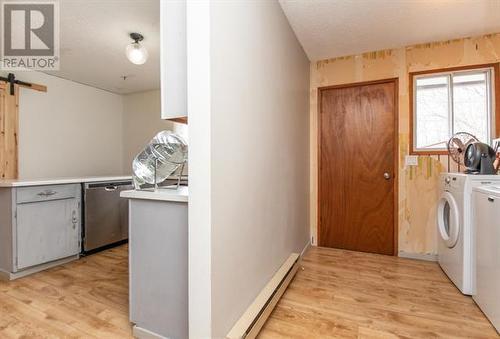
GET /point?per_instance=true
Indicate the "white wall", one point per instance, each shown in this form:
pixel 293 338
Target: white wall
pixel 257 208
pixel 72 130
pixel 141 122
pixel 78 130
pixel 200 221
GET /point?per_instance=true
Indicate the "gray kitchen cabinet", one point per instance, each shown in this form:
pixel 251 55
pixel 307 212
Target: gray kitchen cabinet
pixel 40 227
pixel 46 231
pixel 158 262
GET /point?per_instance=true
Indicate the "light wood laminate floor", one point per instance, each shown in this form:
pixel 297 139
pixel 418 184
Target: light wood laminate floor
pixel 87 298
pixel 338 294
pixel 344 294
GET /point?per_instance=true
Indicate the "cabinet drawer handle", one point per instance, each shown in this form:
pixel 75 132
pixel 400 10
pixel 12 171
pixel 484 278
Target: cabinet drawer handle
pixel 47 193
pixel 490 199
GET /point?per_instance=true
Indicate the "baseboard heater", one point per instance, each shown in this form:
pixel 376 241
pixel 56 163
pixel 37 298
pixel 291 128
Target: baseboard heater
pixel 251 322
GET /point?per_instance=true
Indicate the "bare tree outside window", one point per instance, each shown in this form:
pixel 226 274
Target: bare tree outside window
pixel 447 103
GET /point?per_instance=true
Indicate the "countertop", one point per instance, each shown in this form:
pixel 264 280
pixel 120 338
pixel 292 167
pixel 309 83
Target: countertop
pixel 161 194
pixel 59 181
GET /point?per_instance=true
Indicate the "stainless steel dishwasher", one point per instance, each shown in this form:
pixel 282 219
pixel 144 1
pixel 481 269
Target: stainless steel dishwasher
pixel 105 216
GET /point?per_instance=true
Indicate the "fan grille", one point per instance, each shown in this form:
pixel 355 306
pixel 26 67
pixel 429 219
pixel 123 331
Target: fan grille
pixel 458 144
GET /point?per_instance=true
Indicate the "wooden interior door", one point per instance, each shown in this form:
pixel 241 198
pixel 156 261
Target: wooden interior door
pixel 9 130
pixel 357 167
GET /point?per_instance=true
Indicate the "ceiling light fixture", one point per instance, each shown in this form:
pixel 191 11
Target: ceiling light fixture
pixel 136 53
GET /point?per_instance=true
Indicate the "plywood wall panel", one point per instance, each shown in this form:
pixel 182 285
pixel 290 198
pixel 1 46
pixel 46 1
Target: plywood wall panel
pixel 418 186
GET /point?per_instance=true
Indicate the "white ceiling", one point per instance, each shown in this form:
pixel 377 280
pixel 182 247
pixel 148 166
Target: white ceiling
pixel 93 36
pixel 332 28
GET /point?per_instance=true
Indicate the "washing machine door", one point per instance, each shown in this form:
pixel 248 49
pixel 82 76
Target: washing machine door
pixel 448 219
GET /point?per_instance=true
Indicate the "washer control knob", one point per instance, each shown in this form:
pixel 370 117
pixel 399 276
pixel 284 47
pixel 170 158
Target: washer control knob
pixel 447 180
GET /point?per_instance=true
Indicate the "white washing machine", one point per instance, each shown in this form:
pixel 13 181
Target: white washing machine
pixel 455 228
pixel 487 224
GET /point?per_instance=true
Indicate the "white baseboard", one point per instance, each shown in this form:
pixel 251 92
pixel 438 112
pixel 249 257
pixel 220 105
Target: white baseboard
pixel 306 247
pixel 4 275
pixel 250 323
pixel 142 333
pixel 418 256
pixel 252 320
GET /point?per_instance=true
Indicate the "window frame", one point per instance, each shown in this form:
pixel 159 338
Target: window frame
pixel 495 101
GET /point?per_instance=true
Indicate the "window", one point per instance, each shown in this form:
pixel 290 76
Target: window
pixel 448 102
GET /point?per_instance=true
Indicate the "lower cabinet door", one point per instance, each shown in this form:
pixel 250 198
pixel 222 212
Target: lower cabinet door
pixel 46 231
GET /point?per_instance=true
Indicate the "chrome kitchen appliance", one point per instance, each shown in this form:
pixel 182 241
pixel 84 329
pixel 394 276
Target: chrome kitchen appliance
pixel 105 215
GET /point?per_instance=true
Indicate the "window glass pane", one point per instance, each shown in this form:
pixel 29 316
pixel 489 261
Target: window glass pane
pixel 470 105
pixel 432 112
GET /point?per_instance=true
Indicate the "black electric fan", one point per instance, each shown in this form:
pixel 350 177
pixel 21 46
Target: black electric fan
pixel 479 158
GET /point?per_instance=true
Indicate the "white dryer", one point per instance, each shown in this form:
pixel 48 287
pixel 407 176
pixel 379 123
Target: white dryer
pixel 455 228
pixel 487 224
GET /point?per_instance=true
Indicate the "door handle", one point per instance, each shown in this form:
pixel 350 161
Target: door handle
pixel 387 176
pixel 490 199
pixel 110 188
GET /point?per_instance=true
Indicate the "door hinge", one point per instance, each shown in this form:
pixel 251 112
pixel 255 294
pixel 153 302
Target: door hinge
pixel 312 240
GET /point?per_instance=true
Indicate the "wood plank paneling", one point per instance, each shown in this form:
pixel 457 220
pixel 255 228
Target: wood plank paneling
pixel 9 129
pixel 344 294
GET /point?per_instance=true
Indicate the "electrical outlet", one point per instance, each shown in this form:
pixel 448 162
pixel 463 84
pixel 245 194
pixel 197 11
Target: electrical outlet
pixel 411 160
